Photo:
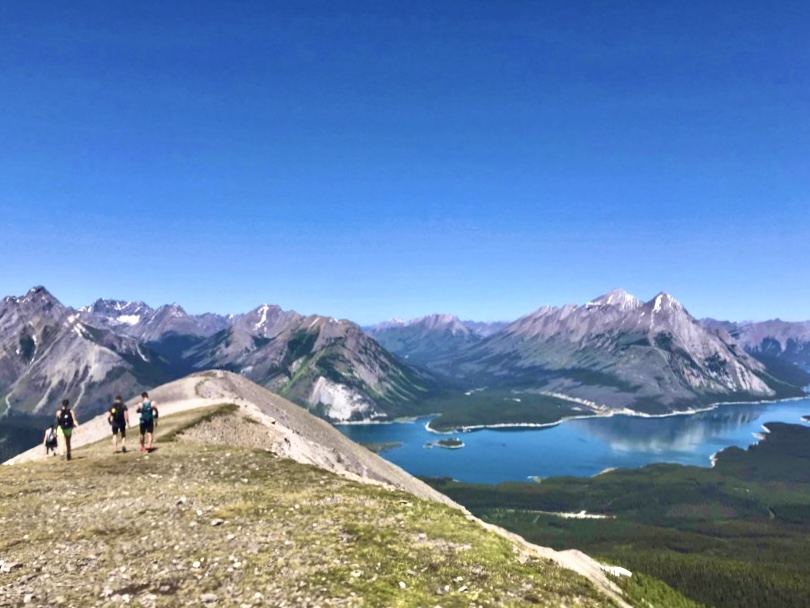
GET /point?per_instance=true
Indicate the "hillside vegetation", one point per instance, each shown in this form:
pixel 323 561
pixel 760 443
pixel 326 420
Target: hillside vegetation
pixel 212 518
pixel 734 536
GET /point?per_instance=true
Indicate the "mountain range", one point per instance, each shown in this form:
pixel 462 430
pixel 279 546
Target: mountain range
pixel 49 351
pixel 613 353
pixel 785 340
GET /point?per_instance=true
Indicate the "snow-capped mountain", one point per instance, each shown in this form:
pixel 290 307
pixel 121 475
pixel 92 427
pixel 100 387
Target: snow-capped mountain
pixel 147 324
pixel 620 352
pixel 115 314
pixel 47 353
pixel 615 351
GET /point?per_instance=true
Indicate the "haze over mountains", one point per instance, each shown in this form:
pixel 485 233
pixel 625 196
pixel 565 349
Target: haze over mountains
pixel 785 340
pixel 613 353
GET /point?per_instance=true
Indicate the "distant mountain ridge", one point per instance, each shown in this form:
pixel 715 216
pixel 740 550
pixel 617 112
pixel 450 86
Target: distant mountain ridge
pixel 148 324
pixel 614 353
pixel 786 340
pixel 620 352
pixel 425 340
pixel 49 352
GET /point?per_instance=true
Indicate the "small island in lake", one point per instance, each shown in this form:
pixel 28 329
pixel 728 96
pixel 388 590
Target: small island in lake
pixel 452 443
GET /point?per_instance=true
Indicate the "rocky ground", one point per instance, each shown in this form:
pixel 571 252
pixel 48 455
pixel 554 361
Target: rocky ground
pixel 202 521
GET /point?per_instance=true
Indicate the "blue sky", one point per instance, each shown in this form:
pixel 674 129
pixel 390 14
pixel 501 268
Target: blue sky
pixel 371 160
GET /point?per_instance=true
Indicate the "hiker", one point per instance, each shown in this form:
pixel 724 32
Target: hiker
pixel 50 440
pixel 118 417
pixel 148 413
pixel 66 419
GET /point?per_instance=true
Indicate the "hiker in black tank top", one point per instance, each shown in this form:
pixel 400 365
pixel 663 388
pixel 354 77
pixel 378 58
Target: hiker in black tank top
pixel 118 417
pixel 66 419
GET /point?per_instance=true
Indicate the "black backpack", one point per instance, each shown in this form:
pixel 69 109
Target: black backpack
pixel 65 418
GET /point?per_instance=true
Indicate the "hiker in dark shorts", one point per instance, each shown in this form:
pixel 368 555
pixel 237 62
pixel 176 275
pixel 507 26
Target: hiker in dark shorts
pixel 148 413
pixel 118 417
pixel 49 441
pixel 66 419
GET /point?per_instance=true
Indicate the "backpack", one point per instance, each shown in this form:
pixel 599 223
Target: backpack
pixel 146 411
pixel 51 439
pixel 65 418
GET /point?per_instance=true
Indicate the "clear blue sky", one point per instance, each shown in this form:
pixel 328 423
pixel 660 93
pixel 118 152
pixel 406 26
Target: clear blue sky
pixel 376 159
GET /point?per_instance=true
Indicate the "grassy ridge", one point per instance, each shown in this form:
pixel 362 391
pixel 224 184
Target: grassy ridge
pixel 194 524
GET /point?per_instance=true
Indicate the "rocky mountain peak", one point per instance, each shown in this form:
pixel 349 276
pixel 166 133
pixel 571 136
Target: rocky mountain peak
pixel 39 302
pixel 665 302
pixel 115 312
pixel 442 322
pixel 617 298
pixel 388 324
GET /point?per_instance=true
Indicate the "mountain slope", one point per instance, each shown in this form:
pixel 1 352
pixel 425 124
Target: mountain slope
pixel 47 354
pixel 122 347
pixel 148 324
pixel 425 340
pixel 326 364
pixel 786 340
pixel 235 503
pixel 619 352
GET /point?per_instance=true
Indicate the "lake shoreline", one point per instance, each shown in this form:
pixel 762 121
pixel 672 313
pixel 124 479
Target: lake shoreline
pixel 541 425
pixel 618 412
pixel 597 444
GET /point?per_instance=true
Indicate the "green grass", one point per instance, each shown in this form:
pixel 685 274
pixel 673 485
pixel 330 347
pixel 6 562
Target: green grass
pixel 299 534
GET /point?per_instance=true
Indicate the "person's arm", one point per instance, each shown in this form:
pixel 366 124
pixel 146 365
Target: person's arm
pixel 45 438
pixel 75 422
pixel 126 418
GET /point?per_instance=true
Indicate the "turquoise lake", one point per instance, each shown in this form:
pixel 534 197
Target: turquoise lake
pixel 579 448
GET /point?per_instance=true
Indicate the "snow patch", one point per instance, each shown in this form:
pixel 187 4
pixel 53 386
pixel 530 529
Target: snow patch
pixel 128 319
pixel 263 320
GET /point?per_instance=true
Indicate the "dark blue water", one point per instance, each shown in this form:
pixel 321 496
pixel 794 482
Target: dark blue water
pixel 579 448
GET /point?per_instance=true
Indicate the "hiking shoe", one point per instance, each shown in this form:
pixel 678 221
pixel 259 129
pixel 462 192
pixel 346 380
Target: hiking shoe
pixel 124 450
